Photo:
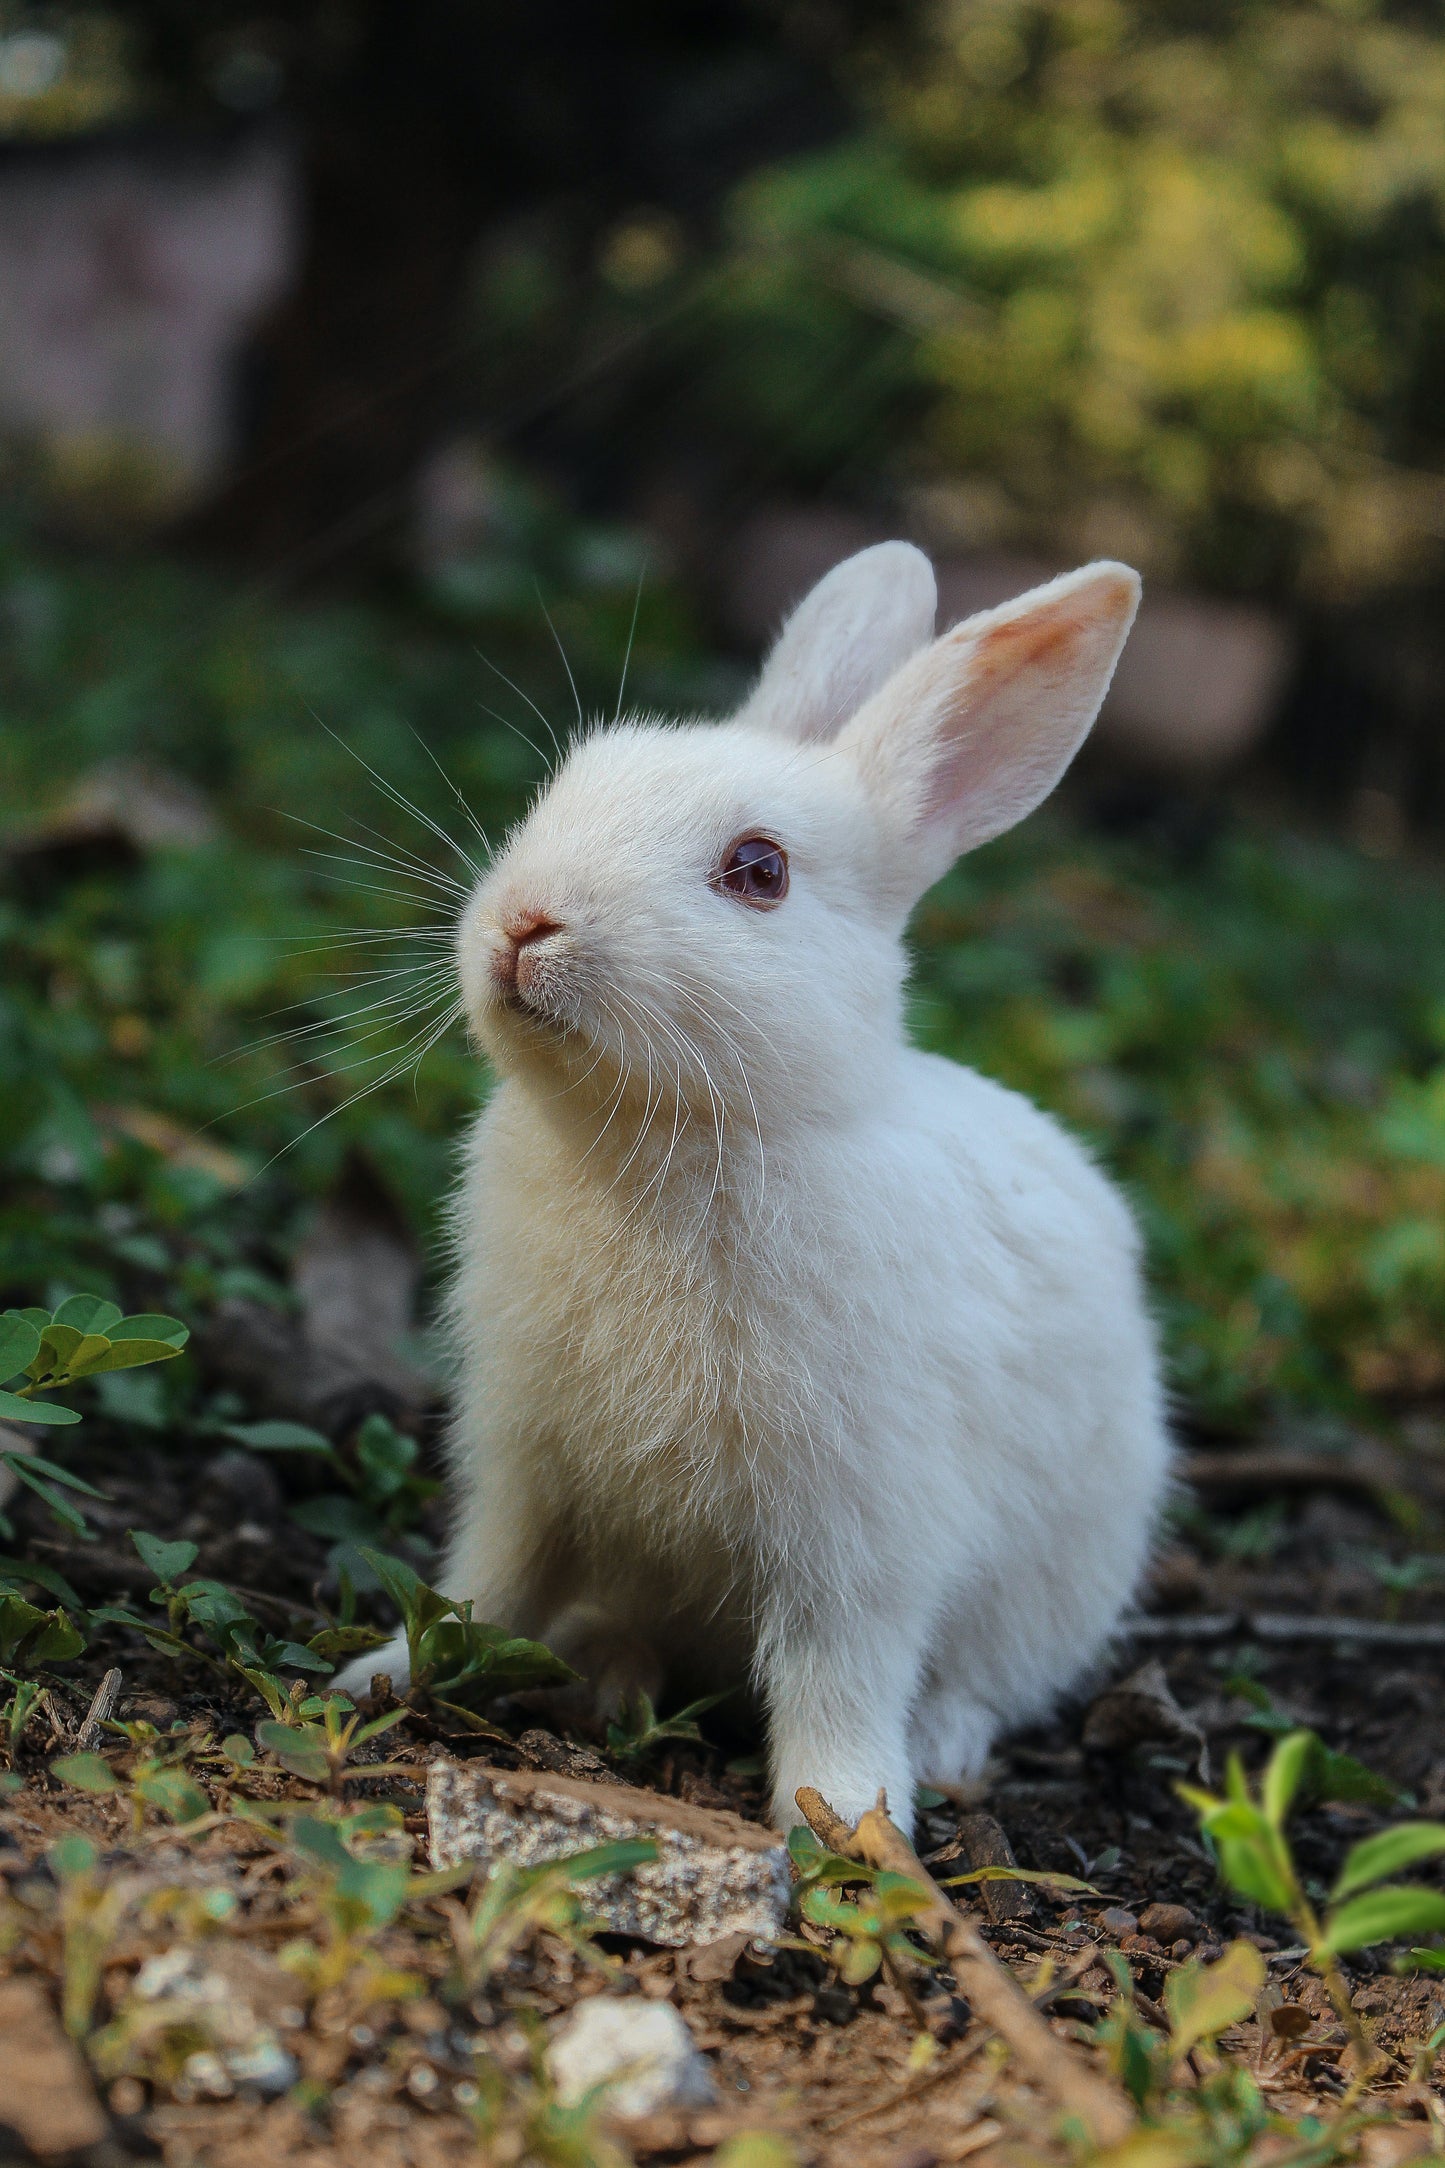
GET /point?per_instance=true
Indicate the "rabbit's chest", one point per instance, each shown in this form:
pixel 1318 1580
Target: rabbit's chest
pixel 671 1394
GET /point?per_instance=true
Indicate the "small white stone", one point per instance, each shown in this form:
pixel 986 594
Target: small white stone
pixel 642 2051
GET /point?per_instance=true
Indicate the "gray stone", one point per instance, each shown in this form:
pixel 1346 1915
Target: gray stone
pixel 641 2051
pixel 714 1875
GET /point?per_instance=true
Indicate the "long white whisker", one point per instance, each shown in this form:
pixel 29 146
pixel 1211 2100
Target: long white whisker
pixel 631 636
pixel 477 828
pixel 378 1083
pixel 399 798
pixel 396 856
pixel 557 637
pixel 516 688
pixel 387 1013
pixel 332 1069
pixel 449 890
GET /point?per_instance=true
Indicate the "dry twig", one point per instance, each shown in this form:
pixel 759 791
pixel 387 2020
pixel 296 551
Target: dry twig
pixel 1282 1626
pixel 989 1987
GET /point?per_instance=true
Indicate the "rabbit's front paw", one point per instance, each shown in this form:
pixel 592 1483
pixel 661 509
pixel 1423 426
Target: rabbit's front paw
pixel 850 1793
pixel 391 1658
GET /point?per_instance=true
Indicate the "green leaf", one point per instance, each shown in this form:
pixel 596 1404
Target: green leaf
pixel 95 1358
pixel 1340 1776
pixel 57 1344
pixel 617 1858
pixel 1376 1858
pixel 298 1657
pixel 88 1313
pixel 1251 1866
pixel 29 1635
pixel 339 1517
pixel 17 1619
pixel 87 1772
pixel 1204 2000
pixel 71 1857
pixel 398 1579
pixel 15 1410
pixel 385 1455
pixel 280 1437
pixel 167 1561
pixel 1287 1766
pixel 238 1750
pixel 28 1572
pixel 56 1642
pixel 19 1344
pixel 1427 1960
pixel 320 1841
pixel 152 1325
pixel 22 1465
pixel 1385 1915
pixel 335 1642
pixel 59 1475
pixel 177 1795
pixel 1069 1883
pixel 299 1751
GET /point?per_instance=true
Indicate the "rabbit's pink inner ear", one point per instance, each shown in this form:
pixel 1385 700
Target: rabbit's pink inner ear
pixel 968 738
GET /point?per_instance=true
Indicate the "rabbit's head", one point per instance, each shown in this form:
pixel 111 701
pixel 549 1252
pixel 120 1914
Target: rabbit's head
pixel 708 916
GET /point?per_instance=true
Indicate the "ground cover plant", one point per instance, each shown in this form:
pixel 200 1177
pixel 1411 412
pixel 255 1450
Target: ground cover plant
pixel 229 1093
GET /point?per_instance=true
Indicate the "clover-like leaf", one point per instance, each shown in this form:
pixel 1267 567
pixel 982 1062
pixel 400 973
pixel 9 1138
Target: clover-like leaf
pixel 15 1410
pixel 88 1313
pixel 97 1357
pixel 167 1561
pixel 152 1325
pixel 19 1344
pixel 87 1772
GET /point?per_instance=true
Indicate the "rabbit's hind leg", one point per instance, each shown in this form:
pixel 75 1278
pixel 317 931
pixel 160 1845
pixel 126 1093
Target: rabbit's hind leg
pixel 949 1736
pixel 616 1663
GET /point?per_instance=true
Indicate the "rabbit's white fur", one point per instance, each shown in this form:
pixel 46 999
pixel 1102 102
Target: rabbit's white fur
pixel 786 1349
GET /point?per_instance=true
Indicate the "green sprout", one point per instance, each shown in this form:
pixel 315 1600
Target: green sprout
pixel 1364 1907
pixel 44 1352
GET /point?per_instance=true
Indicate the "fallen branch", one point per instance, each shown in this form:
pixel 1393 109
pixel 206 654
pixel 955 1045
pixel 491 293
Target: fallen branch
pixel 988 1986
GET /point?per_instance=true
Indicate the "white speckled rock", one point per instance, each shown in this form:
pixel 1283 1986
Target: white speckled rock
pixel 642 2051
pixel 714 1875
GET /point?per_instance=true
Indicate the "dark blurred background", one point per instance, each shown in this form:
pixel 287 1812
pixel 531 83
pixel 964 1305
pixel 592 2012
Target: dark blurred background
pixel 320 291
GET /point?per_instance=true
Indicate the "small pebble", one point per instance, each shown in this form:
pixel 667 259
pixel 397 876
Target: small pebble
pixel 1167 1923
pixel 642 2051
pixel 1116 1921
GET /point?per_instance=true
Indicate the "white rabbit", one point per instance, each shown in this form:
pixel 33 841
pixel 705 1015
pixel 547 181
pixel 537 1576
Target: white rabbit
pixel 786 1350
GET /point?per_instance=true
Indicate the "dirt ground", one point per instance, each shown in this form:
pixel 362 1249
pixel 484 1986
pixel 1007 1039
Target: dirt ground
pixel 1267 1607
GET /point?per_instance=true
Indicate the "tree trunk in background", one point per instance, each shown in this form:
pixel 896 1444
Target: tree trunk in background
pixel 420 123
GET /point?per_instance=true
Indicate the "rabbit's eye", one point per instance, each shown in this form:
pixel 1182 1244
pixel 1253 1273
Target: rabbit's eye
pixel 756 871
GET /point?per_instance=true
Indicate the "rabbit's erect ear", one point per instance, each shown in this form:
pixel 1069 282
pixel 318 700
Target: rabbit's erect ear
pixel 844 640
pixel 972 734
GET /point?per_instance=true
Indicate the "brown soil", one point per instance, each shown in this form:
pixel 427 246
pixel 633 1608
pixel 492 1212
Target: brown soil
pixel 839 2070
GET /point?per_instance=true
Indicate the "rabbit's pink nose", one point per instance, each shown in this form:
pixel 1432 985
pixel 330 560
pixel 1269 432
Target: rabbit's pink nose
pixel 520 931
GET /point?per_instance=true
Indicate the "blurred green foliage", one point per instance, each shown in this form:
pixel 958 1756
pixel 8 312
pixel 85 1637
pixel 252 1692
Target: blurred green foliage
pixel 1139 276
pixel 1248 1024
